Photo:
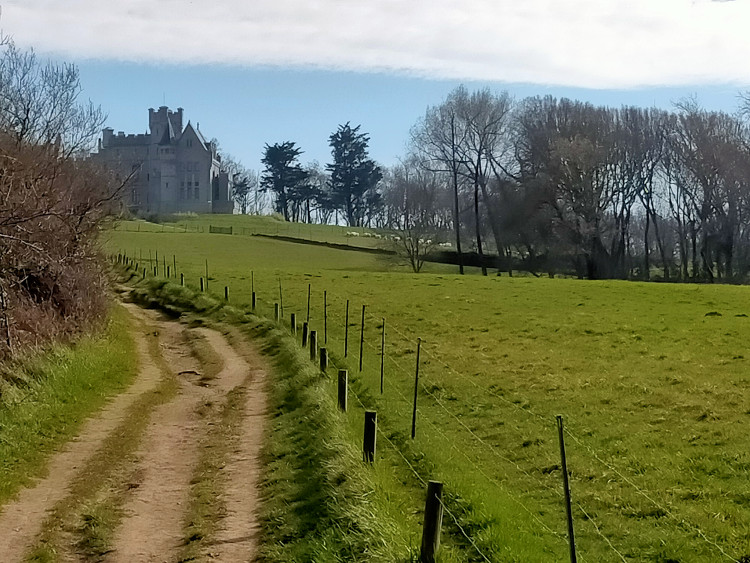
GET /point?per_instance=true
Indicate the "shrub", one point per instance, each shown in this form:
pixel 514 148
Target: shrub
pixel 52 203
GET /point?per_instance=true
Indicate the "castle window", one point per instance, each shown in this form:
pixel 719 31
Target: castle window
pixel 196 193
pixel 197 182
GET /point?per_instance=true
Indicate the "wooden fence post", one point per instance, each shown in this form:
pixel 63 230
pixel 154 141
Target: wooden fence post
pixel 313 345
pixel 281 301
pixel 293 324
pixel 226 293
pixel 371 430
pixel 182 279
pixel 323 359
pixel 433 521
pixel 566 487
pixel 416 388
pixel 253 301
pixel 168 273
pixel 343 384
pixel 304 334
pixel 202 286
pixel 276 312
pixel 174 265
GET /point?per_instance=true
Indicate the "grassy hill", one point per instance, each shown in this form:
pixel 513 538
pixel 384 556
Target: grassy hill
pixel 652 381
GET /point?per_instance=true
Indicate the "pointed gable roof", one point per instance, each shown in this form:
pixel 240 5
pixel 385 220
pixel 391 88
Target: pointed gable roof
pixel 201 137
pixel 197 133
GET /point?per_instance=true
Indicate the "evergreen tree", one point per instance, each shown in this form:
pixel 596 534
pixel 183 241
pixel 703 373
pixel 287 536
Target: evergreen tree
pixel 354 176
pixel 283 174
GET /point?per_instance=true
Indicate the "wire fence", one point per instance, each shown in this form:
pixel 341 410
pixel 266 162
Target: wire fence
pixel 475 450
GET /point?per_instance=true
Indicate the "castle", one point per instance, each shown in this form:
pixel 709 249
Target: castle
pixel 174 170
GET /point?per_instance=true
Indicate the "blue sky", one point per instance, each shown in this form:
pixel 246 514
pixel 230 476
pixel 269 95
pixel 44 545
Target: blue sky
pixel 269 71
pixel 246 108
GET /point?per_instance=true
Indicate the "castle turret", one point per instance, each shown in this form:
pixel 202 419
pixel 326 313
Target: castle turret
pixel 107 134
pixel 176 118
pixel 158 123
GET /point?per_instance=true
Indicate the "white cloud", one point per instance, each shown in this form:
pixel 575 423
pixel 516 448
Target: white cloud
pixel 588 43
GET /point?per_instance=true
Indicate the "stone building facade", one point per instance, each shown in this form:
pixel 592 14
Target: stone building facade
pixel 174 170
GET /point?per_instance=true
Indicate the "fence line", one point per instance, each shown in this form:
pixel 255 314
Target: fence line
pixel 546 421
pixel 424 484
pixel 697 530
pixel 494 451
pixel 488 477
pixel 474 464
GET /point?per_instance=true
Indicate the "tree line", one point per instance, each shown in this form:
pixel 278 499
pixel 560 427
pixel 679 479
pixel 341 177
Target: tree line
pixel 545 185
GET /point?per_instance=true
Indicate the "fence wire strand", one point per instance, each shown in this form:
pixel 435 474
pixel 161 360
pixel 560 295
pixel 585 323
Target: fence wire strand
pixel 424 484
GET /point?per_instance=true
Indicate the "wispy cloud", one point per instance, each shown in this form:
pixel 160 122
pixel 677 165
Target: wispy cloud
pixel 588 43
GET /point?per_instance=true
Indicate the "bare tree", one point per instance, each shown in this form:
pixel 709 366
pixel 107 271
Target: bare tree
pixel 486 118
pixel 418 227
pixel 52 202
pixel 40 103
pixel 439 138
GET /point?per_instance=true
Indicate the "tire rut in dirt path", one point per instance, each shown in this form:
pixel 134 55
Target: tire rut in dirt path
pixel 21 520
pixel 153 528
pixel 237 537
pixel 152 525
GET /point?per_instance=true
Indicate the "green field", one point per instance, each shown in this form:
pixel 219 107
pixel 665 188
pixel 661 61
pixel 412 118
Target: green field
pixel 260 225
pixel 651 379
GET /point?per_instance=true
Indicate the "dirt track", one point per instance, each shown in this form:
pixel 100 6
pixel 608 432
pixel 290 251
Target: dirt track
pixel 153 510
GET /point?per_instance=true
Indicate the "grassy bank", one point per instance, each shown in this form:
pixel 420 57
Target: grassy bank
pixel 45 398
